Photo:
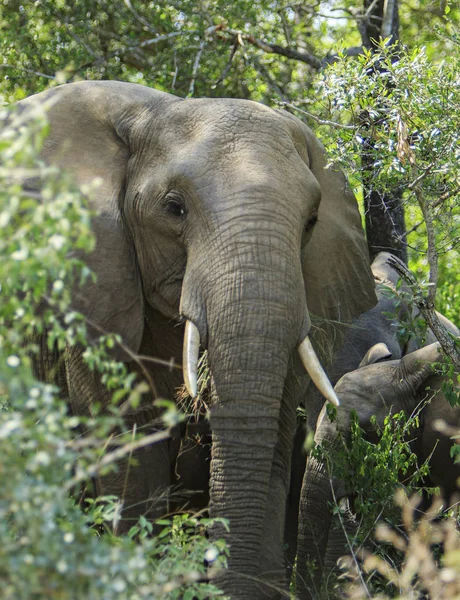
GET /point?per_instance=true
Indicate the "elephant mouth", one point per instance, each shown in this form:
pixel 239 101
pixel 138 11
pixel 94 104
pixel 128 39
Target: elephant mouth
pixel 167 300
pixel 306 351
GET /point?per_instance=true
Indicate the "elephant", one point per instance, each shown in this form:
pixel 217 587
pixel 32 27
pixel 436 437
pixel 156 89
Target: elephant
pixel 378 386
pixel 217 223
pixel 380 324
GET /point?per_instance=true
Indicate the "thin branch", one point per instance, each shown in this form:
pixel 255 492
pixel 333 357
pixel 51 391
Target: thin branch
pixel 317 119
pixel 436 203
pixel 169 36
pixel 427 213
pixel 271 82
pixel 426 307
pixel 163 38
pixel 140 18
pixel 285 25
pixel 129 352
pixel 369 10
pixel 419 178
pixel 133 356
pixel 304 57
pixel 171 364
pixel 176 71
pixel 225 72
pixel 31 71
pixel 349 544
pixel 196 65
pixel 115 455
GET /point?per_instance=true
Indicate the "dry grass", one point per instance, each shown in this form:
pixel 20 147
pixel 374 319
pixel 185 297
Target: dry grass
pixel 429 551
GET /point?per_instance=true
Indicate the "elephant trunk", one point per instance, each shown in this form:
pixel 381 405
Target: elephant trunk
pixel 249 374
pixel 255 314
pixel 319 490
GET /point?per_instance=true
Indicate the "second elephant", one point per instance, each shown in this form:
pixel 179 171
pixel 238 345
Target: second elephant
pixel 378 387
pixel 381 324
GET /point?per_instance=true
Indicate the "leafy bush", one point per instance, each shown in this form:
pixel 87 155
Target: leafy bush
pixel 49 546
pixel 403 107
pixel 375 469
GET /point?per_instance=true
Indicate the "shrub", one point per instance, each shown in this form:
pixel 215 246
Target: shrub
pixel 49 546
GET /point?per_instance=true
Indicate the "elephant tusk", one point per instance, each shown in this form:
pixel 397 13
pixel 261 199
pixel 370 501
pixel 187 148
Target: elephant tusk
pixel 190 358
pixel 313 367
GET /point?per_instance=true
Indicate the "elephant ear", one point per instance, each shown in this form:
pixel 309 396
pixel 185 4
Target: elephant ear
pixel 90 124
pixel 417 366
pixel 336 265
pixel 377 353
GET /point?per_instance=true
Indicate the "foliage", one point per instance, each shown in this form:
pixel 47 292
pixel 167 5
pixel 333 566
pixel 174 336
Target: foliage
pixel 49 547
pixel 206 48
pixel 422 572
pixel 408 324
pixel 277 52
pixel 211 48
pixel 397 99
pixel 374 469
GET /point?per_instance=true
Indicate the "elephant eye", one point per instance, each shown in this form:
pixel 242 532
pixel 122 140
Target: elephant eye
pixel 311 221
pixel 308 228
pixel 175 208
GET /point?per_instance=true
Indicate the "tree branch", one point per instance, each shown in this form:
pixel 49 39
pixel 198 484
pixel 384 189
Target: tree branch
pixel 139 17
pixel 317 119
pixel 115 455
pixel 426 307
pixel 196 65
pixel 31 71
pixel 304 57
pixel 436 203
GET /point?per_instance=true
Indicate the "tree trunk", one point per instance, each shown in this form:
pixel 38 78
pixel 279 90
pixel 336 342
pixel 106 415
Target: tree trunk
pixel 385 227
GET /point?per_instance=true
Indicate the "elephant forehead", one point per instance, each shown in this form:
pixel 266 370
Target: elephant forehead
pixel 217 125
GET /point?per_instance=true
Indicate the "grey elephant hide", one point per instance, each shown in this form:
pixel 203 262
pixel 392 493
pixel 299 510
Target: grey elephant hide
pixel 222 213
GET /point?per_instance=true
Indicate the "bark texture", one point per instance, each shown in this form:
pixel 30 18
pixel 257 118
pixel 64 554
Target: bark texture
pixel 384 212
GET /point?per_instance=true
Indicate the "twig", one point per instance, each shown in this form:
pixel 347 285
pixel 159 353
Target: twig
pixel 163 38
pixel 419 178
pixel 31 71
pixel 350 547
pixel 229 63
pixel 271 82
pixel 131 354
pixel 196 65
pixel 304 57
pixel 171 364
pixel 317 119
pixel 140 18
pixel 135 357
pixel 426 307
pixel 436 203
pixel 117 454
pixel 176 71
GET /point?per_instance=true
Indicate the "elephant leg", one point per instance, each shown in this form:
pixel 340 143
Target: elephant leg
pixel 48 364
pixel 193 465
pixel 141 481
pixel 298 461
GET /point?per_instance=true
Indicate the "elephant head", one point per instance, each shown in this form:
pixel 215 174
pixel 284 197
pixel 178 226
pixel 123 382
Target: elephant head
pixel 221 211
pixel 378 386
